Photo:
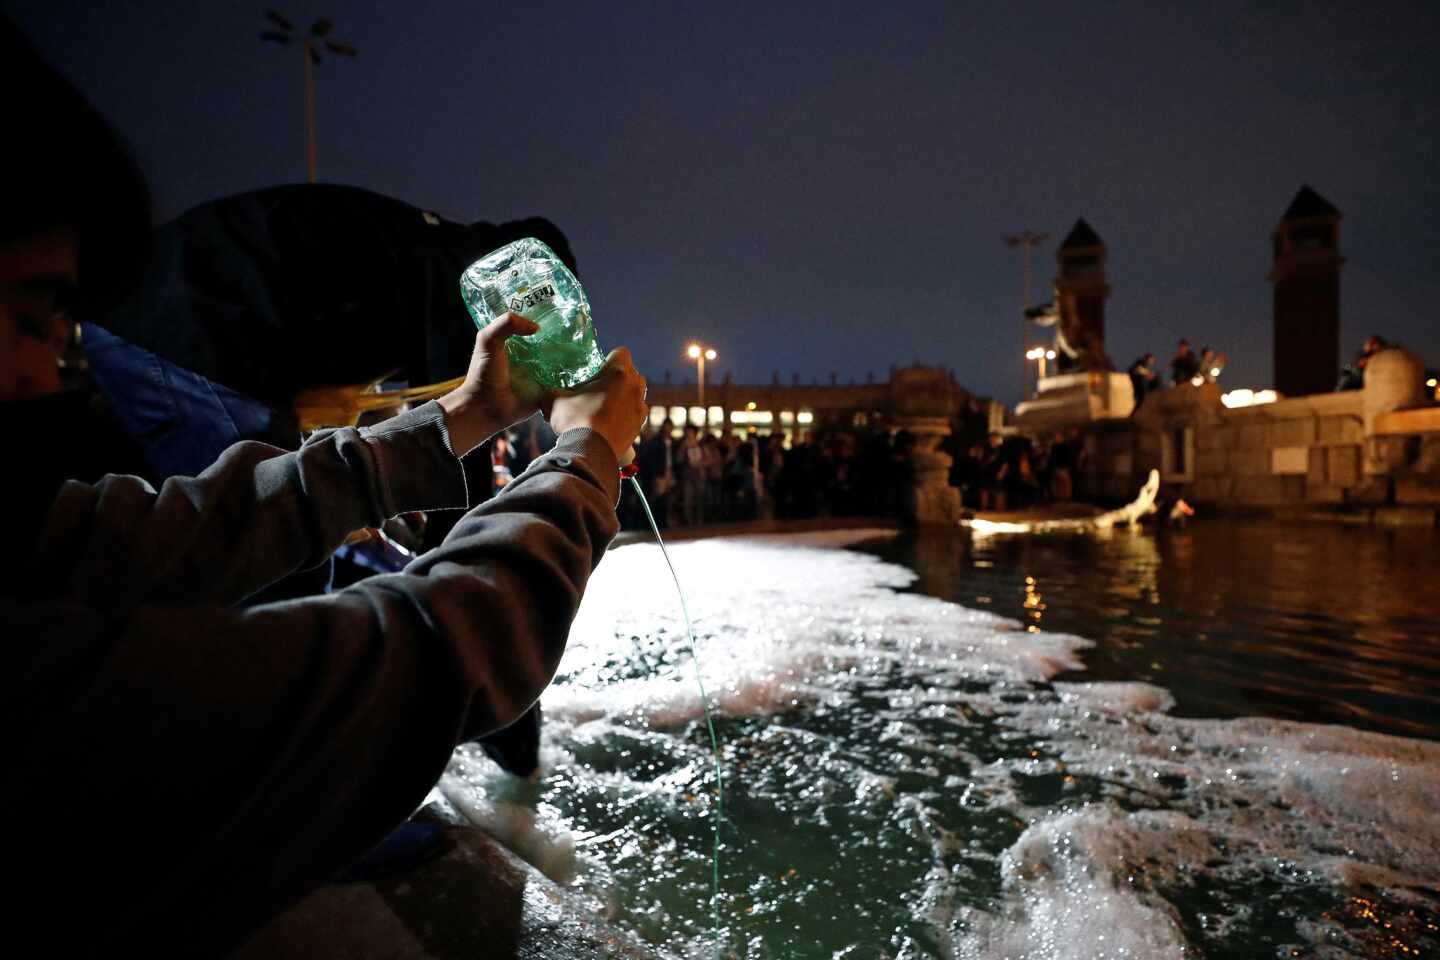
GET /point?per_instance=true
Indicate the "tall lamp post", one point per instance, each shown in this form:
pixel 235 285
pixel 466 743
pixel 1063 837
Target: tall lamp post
pixel 700 354
pixel 282 31
pixel 1039 354
pixel 1026 240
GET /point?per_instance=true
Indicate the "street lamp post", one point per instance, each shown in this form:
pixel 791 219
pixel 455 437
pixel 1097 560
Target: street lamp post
pixel 1039 354
pixel 700 354
pixel 1026 240
pixel 282 32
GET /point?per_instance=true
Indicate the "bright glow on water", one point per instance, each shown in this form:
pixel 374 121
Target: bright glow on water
pixel 906 780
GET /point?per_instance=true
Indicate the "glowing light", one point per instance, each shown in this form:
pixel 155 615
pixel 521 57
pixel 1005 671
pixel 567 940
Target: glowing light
pixel 805 416
pixel 750 405
pixel 1049 354
pixel 1197 380
pixel 694 351
pixel 1035 353
pixel 1432 383
pixel 1214 371
pixel 709 354
pixel 1248 398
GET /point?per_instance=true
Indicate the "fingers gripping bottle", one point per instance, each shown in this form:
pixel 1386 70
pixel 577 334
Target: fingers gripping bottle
pixel 526 277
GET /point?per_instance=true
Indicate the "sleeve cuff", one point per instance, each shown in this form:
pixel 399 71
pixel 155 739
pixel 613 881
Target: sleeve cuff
pixel 584 451
pixel 418 467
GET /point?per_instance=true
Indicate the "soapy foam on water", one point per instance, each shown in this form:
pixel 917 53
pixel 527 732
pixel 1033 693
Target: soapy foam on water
pixel 1146 809
pixel 776 614
pixel 1300 807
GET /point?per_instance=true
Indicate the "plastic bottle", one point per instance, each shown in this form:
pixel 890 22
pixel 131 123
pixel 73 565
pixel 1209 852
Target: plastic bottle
pixel 526 277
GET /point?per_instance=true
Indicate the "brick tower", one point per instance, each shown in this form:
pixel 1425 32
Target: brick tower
pixel 1081 290
pixel 1306 276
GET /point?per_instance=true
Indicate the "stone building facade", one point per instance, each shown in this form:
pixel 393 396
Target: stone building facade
pixel 1379 446
pixel 915 391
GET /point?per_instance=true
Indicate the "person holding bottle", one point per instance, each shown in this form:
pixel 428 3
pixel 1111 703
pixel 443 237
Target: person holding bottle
pixel 183 767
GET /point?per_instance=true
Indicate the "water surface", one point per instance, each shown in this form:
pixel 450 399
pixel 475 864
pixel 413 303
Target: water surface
pixel 946 747
pixel 1320 622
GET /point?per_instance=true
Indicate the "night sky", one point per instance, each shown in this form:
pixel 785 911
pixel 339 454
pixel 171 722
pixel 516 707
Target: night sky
pixel 820 188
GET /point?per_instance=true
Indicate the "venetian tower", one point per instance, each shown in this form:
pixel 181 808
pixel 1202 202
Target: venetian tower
pixel 1081 290
pixel 1306 278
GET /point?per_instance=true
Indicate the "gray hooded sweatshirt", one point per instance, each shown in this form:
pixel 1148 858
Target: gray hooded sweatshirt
pixel 179 768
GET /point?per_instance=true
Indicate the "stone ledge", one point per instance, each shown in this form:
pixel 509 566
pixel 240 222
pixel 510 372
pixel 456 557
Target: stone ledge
pixel 476 899
pixel 1421 420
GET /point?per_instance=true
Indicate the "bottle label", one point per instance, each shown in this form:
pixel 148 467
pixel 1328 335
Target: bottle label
pixel 520 302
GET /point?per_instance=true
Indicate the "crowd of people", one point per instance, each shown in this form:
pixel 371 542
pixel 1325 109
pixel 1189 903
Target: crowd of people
pixel 702 477
pixel 692 477
pixel 1187 367
pixel 1016 473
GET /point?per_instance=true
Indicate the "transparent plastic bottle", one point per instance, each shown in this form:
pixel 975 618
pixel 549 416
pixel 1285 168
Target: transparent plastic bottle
pixel 526 277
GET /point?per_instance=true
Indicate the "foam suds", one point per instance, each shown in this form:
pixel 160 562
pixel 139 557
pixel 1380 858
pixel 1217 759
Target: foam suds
pixel 908 783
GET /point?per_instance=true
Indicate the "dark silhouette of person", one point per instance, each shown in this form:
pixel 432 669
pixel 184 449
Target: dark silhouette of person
pixel 1144 378
pixel 1184 366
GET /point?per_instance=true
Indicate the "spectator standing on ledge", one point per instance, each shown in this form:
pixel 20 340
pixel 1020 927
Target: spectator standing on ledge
pixel 1352 377
pixel 1212 364
pixel 1184 366
pixel 1144 378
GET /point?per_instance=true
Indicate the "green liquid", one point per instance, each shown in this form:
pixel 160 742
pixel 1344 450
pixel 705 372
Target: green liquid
pixel 526 277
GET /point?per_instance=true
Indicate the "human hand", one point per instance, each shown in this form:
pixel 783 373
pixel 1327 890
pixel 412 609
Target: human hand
pixel 612 404
pixel 490 399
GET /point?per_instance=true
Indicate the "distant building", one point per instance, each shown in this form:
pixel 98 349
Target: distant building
pixel 1306 278
pixel 1305 274
pixel 788 410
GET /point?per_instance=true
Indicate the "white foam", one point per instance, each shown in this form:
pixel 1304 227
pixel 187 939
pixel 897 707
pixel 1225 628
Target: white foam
pixel 1326 807
pixel 1149 804
pixel 1070 895
pixel 777 624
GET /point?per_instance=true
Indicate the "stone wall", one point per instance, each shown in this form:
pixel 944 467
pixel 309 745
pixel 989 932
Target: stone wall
pixel 1376 446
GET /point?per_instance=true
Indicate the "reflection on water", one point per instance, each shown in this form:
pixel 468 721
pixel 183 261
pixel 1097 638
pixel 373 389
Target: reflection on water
pixel 1325 623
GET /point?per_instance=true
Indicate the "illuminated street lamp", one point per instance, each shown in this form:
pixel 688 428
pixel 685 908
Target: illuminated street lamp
pixel 1040 354
pixel 282 31
pixel 700 354
pixel 1027 241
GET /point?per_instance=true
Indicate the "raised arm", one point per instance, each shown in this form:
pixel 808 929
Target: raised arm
pixel 259 513
pixel 241 756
